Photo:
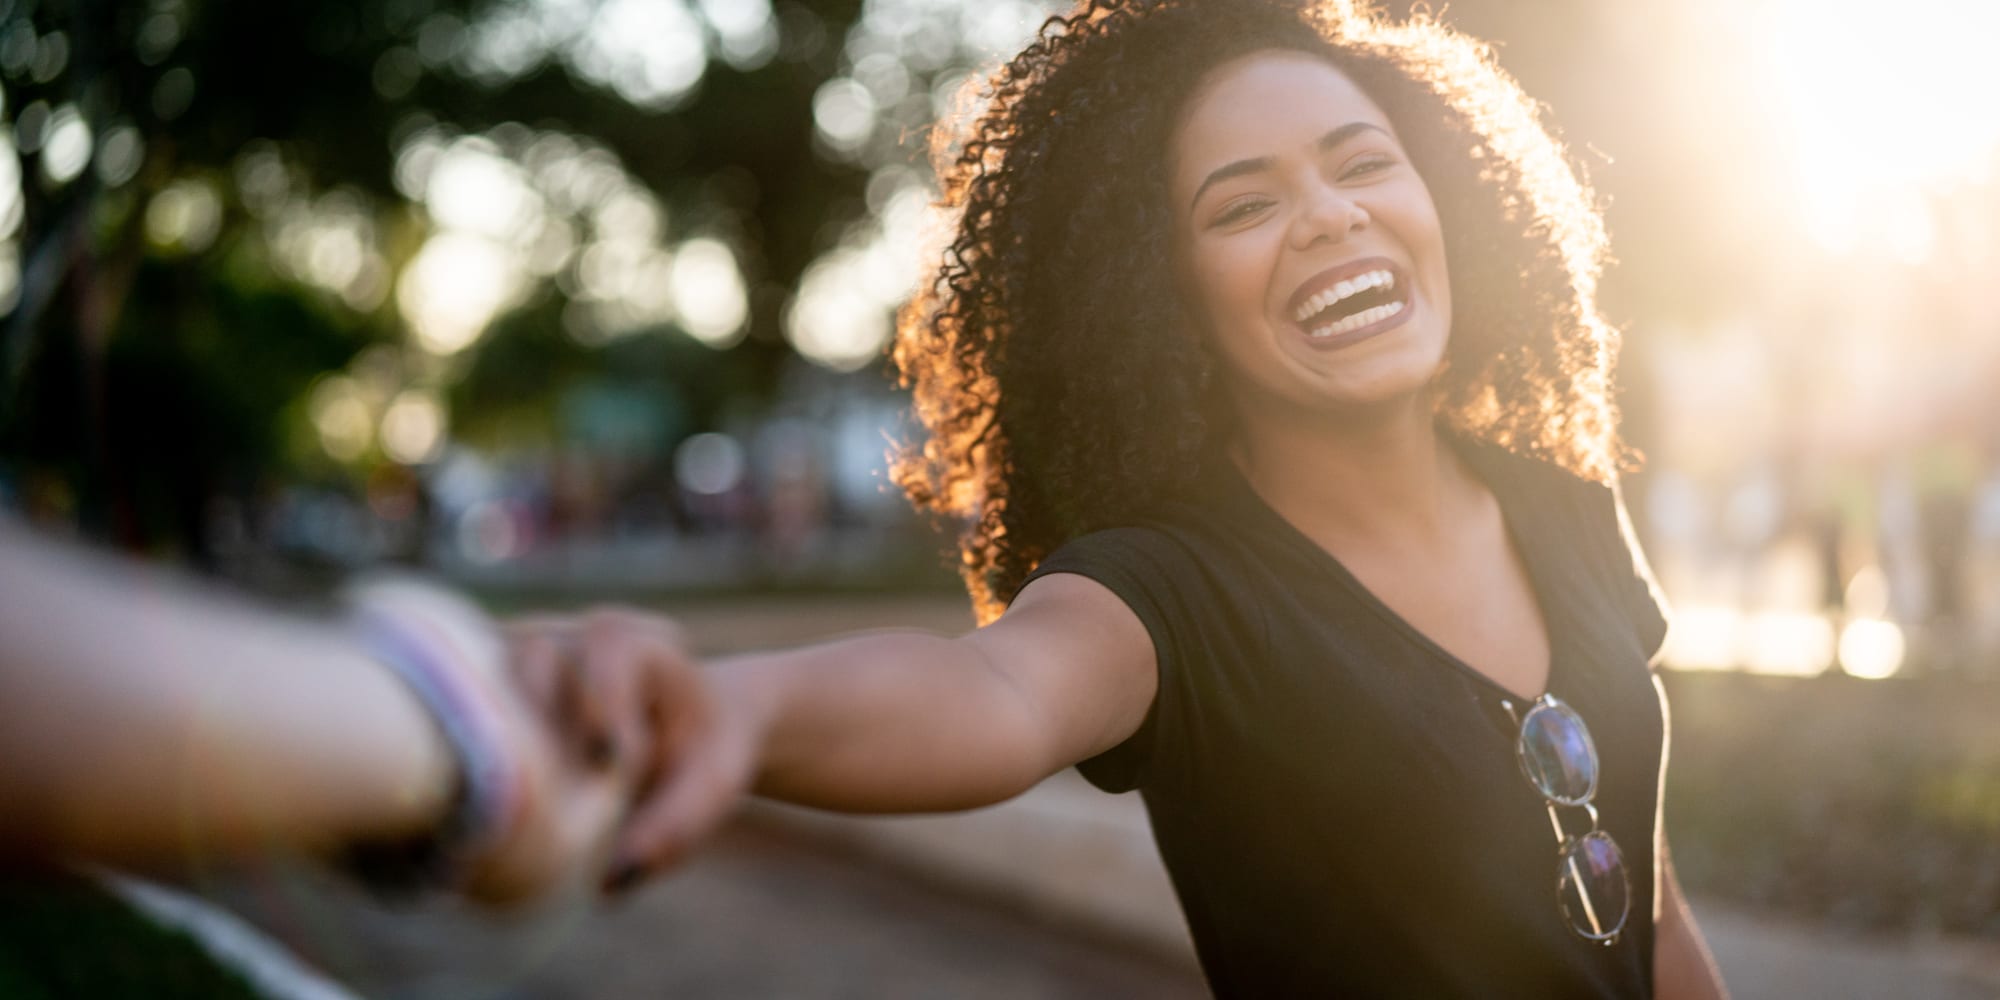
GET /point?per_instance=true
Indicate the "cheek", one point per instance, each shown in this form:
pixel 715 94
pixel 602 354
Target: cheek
pixel 1228 279
pixel 1441 282
pixel 1432 257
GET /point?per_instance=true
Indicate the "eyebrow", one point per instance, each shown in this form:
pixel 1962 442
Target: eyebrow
pixel 1326 142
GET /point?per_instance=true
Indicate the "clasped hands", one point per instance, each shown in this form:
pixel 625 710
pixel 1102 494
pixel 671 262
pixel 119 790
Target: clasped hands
pixel 635 755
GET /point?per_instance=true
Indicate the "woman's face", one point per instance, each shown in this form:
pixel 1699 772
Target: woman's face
pixel 1309 245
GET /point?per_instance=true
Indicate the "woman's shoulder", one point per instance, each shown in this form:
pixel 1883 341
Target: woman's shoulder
pixel 1188 523
pixel 1586 521
pixel 1541 481
pixel 1142 549
pixel 1176 548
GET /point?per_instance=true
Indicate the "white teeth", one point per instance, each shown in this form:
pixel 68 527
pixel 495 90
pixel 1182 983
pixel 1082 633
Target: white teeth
pixel 1359 320
pixel 1360 283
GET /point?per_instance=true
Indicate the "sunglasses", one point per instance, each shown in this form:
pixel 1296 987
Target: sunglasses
pixel 1560 760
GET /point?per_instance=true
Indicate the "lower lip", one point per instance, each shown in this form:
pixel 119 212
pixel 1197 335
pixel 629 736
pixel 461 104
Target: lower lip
pixel 1357 335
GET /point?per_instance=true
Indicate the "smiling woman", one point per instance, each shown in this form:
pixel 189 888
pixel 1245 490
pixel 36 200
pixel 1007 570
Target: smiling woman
pixel 1063 183
pixel 1265 369
pixel 1330 242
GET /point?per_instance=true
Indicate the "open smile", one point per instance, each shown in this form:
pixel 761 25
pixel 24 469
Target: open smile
pixel 1351 303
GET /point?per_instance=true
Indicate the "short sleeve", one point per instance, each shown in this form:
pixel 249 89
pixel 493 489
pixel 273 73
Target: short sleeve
pixel 1146 570
pixel 1640 592
pixel 1589 517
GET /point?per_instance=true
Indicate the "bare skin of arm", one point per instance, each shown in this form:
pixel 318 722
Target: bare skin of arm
pixel 1683 969
pixel 150 721
pixel 896 721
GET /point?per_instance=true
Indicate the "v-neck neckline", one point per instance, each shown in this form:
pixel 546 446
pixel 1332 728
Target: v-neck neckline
pixel 1476 457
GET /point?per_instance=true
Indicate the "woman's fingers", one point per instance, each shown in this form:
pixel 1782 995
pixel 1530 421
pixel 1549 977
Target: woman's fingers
pixel 630 660
pixel 621 687
pixel 694 798
pixel 704 770
pixel 600 690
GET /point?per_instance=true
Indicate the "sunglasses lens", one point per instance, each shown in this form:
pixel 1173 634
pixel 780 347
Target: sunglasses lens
pixel 1595 893
pixel 1557 753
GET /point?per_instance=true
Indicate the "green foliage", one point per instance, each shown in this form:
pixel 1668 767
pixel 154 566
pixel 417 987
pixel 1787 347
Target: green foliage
pixel 147 372
pixel 1868 804
pixel 63 936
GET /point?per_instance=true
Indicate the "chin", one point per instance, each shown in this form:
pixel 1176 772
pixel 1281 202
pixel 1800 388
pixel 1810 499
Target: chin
pixel 1385 380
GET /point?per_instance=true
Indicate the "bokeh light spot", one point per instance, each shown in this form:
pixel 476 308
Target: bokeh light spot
pixel 120 156
pixel 649 51
pixel 413 428
pixel 844 114
pixel 173 93
pixel 66 150
pixel 453 288
pixel 471 188
pixel 51 57
pixel 12 207
pixel 31 128
pixel 746 30
pixel 185 216
pixel 709 464
pixel 1789 644
pixel 339 412
pixel 708 293
pixel 1871 648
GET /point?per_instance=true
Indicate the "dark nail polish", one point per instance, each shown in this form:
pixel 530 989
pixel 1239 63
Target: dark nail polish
pixel 599 751
pixel 623 875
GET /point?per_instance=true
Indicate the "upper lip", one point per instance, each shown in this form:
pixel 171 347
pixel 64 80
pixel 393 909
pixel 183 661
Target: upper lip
pixel 1338 273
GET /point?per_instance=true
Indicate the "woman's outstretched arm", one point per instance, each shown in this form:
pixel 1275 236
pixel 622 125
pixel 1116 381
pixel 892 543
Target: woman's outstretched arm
pixel 897 721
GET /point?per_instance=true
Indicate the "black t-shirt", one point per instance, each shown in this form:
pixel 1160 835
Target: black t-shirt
pixel 1337 799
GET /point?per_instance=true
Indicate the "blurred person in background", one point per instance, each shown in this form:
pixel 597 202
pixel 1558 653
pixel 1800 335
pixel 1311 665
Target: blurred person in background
pixel 155 727
pixel 1265 369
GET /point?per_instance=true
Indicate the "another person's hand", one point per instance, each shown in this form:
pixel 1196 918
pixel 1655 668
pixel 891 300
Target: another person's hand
pixel 570 812
pixel 534 812
pixel 621 685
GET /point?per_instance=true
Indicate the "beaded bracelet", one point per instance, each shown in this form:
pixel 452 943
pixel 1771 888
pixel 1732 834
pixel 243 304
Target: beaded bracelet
pixel 446 652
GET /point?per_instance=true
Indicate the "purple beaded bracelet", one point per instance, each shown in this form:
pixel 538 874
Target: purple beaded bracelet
pixel 447 653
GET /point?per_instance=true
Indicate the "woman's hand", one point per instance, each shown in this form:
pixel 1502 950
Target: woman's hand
pixel 620 688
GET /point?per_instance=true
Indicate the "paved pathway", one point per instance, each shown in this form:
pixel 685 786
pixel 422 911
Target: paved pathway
pixel 764 913
pixel 771 912
pixel 1764 957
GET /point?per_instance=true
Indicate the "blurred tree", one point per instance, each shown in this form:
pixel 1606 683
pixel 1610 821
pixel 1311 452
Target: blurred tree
pixel 472 205
pixel 219 202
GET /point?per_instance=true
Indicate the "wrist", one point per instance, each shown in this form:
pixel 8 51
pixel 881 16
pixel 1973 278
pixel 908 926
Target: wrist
pixel 417 765
pixel 445 653
pixel 752 695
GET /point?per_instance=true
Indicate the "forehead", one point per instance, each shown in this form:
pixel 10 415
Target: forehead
pixel 1264 104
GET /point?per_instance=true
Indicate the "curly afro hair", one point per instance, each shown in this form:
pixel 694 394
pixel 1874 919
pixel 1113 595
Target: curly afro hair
pixel 1061 386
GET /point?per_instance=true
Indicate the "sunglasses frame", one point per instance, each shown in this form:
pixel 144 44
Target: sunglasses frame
pixel 1570 848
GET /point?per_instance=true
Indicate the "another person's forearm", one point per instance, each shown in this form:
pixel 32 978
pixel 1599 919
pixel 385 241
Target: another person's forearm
pixel 148 720
pixel 899 721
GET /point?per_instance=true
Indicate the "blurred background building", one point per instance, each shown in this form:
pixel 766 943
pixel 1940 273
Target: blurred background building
pixel 574 299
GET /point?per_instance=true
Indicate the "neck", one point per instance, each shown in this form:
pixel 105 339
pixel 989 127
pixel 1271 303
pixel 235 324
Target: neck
pixel 1376 475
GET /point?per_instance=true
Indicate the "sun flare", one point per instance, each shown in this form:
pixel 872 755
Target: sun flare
pixel 1881 113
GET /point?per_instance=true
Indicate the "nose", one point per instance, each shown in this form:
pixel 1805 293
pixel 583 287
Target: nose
pixel 1327 214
